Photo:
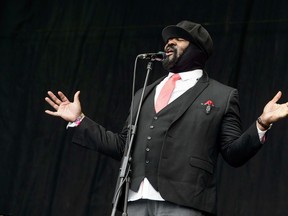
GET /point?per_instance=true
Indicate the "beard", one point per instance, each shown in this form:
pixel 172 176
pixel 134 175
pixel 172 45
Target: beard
pixel 192 58
pixel 168 63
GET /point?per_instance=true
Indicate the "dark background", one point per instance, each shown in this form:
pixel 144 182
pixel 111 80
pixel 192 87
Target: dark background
pixel 91 46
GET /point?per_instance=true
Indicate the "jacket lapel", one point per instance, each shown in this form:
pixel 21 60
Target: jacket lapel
pixel 148 90
pixel 192 94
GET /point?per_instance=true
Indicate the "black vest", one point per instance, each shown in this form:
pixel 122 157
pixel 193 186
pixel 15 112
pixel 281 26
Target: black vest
pixel 148 141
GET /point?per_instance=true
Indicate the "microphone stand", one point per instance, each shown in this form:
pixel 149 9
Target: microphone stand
pixel 123 178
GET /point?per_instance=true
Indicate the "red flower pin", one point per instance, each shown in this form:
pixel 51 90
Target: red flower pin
pixel 209 104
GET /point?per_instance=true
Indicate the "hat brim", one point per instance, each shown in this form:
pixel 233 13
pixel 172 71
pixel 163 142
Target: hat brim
pixel 175 32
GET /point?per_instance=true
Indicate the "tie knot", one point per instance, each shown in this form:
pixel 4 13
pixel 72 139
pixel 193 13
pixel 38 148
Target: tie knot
pixel 175 77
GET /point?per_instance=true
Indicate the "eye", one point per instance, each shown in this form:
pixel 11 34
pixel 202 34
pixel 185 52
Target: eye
pixel 180 39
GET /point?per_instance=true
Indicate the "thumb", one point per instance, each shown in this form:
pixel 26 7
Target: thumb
pixel 277 97
pixel 76 97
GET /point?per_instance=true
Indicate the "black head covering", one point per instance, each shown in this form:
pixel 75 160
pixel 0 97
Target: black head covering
pixel 192 32
pixel 198 51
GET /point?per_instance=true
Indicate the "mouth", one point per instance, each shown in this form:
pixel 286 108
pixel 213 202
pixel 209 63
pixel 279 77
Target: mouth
pixel 169 53
pixel 170 50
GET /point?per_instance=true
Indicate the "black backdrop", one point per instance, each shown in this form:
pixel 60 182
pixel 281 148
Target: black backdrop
pixel 90 46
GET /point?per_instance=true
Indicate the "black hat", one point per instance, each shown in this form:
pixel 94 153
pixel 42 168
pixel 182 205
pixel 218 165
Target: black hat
pixel 192 32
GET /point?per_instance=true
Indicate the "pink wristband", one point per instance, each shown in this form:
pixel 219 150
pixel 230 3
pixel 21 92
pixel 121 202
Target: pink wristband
pixel 79 119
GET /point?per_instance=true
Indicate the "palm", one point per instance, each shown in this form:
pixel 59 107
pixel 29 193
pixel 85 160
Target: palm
pixel 65 109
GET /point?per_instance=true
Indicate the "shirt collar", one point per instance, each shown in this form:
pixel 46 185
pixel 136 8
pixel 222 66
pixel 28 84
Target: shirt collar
pixel 194 74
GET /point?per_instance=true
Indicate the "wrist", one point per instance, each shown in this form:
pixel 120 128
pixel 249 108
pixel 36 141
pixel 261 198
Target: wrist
pixel 79 119
pixel 263 125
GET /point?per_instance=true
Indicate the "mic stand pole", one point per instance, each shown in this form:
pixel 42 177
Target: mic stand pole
pixel 126 161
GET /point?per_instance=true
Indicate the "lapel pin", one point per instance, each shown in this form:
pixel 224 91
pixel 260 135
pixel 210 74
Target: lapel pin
pixel 209 104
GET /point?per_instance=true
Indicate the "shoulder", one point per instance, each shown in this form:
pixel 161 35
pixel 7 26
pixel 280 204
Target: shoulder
pixel 218 84
pixel 220 87
pixel 224 94
pixel 149 87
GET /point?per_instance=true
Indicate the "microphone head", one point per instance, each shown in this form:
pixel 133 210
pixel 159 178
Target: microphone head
pixel 159 56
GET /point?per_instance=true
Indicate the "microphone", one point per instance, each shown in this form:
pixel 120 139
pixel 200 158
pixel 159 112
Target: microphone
pixel 160 56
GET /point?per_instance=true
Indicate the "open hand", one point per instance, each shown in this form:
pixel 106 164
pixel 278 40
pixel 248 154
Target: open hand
pixel 273 111
pixel 65 109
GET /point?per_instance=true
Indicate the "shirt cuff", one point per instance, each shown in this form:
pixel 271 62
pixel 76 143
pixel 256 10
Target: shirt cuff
pixel 261 134
pixel 77 122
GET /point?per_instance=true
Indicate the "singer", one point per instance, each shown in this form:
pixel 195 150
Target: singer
pixel 187 119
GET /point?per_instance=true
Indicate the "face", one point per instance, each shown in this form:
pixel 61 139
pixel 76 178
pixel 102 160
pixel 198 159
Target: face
pixel 174 48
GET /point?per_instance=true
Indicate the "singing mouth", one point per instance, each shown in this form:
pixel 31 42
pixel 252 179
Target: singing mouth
pixel 169 52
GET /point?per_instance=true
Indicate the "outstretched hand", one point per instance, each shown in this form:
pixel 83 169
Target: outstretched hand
pixel 273 111
pixel 65 109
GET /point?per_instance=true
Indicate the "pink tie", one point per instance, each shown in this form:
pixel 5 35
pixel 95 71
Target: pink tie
pixel 166 92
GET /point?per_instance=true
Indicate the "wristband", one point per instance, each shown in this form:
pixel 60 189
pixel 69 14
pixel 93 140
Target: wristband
pixel 79 119
pixel 266 127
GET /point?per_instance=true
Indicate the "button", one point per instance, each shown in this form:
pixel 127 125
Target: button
pixel 155 117
pixel 147 149
pixel 149 138
pixel 147 161
pixel 151 126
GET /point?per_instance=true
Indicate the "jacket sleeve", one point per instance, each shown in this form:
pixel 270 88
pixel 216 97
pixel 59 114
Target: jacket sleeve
pixel 94 136
pixel 237 147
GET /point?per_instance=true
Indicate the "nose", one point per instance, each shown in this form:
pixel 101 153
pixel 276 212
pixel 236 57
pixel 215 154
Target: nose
pixel 170 42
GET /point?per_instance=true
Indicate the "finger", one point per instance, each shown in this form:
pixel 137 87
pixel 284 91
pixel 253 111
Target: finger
pixel 62 97
pixel 277 97
pixel 49 101
pixel 51 113
pixel 76 97
pixel 54 98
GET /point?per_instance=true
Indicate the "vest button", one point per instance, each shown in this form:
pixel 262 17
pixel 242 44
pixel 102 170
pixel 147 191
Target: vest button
pixel 147 149
pixel 151 126
pixel 155 117
pixel 147 161
pixel 149 138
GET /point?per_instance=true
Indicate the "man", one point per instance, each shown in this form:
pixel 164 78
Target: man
pixel 177 144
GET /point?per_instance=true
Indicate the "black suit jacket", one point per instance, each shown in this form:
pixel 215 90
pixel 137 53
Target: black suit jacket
pixel 187 166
